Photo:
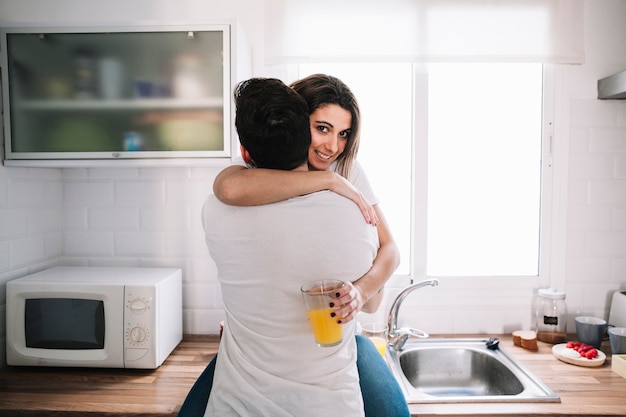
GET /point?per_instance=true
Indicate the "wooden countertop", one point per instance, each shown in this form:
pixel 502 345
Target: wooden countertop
pixel 89 392
pixel 73 392
pixel 584 391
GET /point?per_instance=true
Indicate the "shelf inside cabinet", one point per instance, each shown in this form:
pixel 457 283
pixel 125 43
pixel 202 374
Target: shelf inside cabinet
pixel 120 104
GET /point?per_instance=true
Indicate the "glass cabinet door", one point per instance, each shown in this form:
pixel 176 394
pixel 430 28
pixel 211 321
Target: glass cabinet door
pixel 154 93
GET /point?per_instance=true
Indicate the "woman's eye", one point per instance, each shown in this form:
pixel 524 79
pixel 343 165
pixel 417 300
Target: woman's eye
pixel 322 128
pixel 345 134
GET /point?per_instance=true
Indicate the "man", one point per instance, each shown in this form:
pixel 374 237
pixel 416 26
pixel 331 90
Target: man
pixel 268 362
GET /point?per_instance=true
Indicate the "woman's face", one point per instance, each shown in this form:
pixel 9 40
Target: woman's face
pixel 330 129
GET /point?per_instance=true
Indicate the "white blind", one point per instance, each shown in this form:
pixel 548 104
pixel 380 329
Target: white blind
pixel 548 31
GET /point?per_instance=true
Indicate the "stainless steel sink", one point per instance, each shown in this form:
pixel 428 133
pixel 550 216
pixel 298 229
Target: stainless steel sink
pixel 463 370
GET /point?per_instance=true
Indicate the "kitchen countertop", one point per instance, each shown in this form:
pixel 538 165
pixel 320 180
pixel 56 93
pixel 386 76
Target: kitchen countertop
pixel 89 392
pixel 69 392
pixel 584 391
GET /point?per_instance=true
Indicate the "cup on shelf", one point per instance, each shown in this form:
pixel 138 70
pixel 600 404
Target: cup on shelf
pixel 111 78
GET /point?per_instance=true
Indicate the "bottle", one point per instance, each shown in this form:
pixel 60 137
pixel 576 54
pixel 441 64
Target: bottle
pixel 84 75
pixel 551 318
pixel 188 77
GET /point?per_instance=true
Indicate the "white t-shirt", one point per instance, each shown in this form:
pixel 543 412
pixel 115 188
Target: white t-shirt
pixel 268 362
pixel 359 180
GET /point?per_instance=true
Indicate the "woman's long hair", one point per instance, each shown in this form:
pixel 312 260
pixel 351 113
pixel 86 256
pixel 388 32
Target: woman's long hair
pixel 320 90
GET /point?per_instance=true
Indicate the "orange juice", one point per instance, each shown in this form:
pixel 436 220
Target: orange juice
pixel 381 345
pixel 326 330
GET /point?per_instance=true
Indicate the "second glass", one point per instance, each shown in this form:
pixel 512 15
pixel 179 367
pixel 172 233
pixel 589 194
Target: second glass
pixel 377 333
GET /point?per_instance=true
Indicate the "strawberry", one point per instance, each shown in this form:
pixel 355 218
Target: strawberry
pixel 586 351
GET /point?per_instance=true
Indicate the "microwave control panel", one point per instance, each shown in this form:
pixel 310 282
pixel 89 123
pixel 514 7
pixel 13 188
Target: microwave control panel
pixel 138 322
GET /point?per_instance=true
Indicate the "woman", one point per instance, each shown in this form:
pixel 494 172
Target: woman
pixel 335 125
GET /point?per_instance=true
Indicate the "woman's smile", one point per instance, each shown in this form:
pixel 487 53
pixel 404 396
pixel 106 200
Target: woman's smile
pixel 323 156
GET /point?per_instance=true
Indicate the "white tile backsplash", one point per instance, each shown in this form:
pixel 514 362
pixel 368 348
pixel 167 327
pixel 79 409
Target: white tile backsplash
pixel 12 223
pixel 619 218
pixel 175 217
pixel 590 112
pixel 88 192
pixel 585 165
pixel 88 243
pixel 28 251
pixel 608 139
pixel 139 244
pixel 4 258
pixel 113 218
pixel 140 192
pixel 25 192
pixel 44 219
pixel 4 191
pixel 585 217
pixel 54 246
pixel 610 193
pixel 74 218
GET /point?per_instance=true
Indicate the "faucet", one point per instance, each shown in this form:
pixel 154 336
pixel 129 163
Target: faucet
pixel 397 337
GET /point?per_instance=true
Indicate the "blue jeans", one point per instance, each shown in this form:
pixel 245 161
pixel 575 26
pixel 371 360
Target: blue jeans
pixel 382 395
pixel 381 392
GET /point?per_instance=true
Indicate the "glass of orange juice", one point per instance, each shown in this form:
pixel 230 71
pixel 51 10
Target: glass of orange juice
pixel 317 297
pixel 377 333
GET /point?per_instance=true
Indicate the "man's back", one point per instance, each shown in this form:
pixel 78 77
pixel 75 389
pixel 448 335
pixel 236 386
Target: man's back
pixel 269 363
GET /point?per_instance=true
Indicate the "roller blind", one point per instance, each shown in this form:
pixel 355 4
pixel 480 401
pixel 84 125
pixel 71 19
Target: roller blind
pixel 547 31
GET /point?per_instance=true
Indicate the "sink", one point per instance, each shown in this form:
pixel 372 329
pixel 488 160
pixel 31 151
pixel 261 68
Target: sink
pixel 463 370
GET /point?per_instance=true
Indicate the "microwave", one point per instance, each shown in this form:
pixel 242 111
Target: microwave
pixel 104 317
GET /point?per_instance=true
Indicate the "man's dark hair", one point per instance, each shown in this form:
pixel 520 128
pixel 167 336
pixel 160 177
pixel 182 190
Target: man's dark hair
pixel 272 122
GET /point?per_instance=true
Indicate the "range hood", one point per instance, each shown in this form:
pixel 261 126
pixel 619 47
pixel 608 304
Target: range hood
pixel 613 86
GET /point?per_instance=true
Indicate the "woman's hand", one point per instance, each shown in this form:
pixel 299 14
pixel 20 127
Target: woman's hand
pixel 350 301
pixel 344 188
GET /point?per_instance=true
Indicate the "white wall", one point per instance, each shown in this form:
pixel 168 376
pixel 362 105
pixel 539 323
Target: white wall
pixel 596 208
pixel 151 216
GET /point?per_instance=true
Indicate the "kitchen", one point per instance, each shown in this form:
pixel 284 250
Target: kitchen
pixel 149 216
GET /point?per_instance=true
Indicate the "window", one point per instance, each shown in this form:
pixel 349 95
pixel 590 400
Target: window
pixel 484 166
pixel 454 153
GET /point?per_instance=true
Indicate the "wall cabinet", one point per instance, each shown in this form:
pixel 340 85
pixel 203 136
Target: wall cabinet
pixel 149 93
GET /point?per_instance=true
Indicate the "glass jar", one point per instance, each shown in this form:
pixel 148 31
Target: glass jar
pixel 551 318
